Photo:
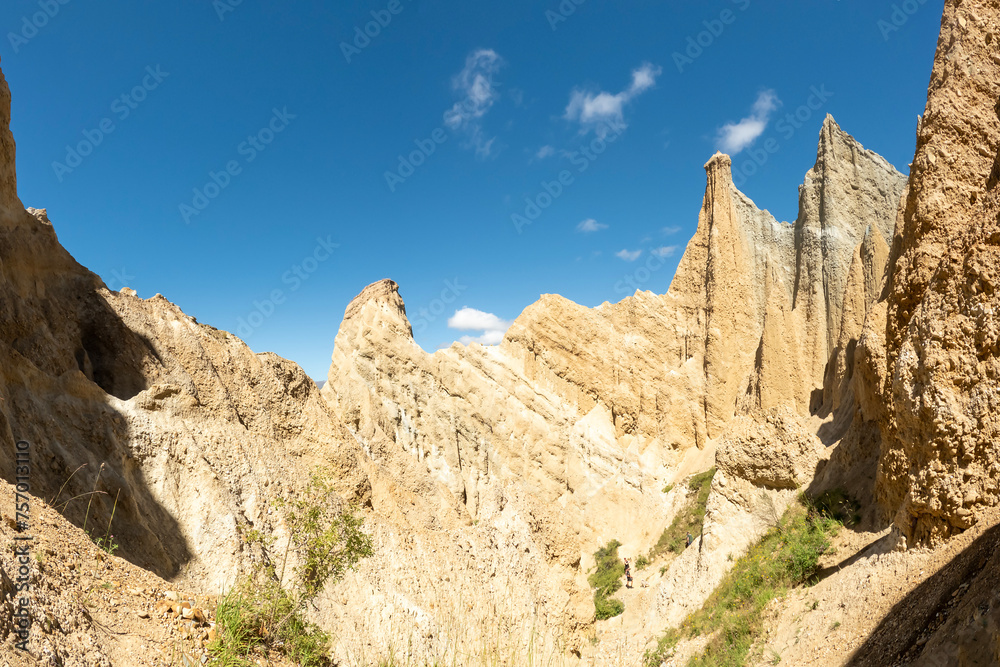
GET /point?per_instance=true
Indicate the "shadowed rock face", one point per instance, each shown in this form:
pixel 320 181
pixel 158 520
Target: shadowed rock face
pixel 940 456
pixel 181 423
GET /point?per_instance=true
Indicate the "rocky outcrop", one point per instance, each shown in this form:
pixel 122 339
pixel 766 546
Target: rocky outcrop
pixel 771 450
pixel 184 432
pixel 497 451
pixel 764 462
pixel 938 465
pixel 752 315
pixel 587 414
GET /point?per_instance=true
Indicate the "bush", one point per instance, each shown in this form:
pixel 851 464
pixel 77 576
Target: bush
pixel 263 611
pixel 606 580
pixel 246 616
pixel 605 608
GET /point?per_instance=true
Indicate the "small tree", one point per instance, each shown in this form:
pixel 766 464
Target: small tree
pixel 263 610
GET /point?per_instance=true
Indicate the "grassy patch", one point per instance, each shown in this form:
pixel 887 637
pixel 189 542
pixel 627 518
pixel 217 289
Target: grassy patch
pixel 247 616
pixel 606 580
pixel 786 556
pixel 689 520
pixel 837 504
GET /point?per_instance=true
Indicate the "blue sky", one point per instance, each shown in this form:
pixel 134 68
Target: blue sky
pixel 260 162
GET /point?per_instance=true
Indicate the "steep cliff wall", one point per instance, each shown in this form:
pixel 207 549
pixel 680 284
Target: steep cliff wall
pixel 582 415
pixel 751 318
pixel 939 459
pixel 186 423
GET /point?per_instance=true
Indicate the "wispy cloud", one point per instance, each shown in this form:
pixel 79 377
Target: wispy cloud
pixel 590 225
pixel 628 255
pixel 670 231
pixel 593 110
pixel 476 83
pixel 470 319
pixel 665 251
pixel 734 137
pixel 544 152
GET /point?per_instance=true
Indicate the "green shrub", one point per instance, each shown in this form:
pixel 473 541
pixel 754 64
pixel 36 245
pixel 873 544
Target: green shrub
pixel 786 556
pixel 265 612
pixel 606 580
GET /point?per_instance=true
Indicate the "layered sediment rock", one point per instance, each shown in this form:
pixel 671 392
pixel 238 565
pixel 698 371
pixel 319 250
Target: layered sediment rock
pixel 752 315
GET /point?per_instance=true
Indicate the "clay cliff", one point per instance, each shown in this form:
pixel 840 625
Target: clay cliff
pixel 856 346
pixel 582 416
pixel 183 424
pixel 746 325
pixel 938 465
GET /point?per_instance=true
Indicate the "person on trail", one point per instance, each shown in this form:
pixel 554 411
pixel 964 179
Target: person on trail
pixel 628 574
pixel 689 540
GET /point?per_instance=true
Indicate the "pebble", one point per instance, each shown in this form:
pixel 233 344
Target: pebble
pixel 142 613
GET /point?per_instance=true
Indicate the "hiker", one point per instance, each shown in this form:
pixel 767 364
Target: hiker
pixel 628 574
pixel 689 540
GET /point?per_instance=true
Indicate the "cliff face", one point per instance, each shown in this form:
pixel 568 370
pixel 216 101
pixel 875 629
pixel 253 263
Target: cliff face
pixel 183 424
pixel 939 457
pixel 582 415
pixel 577 399
pixel 752 315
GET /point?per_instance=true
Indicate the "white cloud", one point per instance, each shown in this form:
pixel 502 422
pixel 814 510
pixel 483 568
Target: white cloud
pixel 669 231
pixel 590 225
pixel 544 152
pixel 475 82
pixel 594 110
pixel 470 319
pixel 628 255
pixel 488 338
pixel 665 251
pixel 734 137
